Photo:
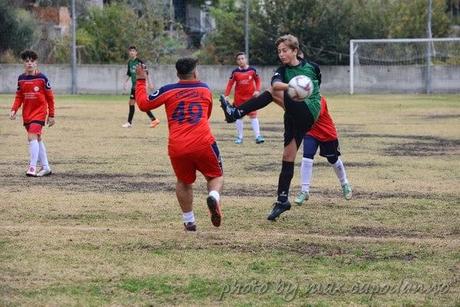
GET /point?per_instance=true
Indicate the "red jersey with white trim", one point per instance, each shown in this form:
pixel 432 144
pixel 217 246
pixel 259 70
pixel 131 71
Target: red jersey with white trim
pixel 35 96
pixel 247 82
pixel 188 106
pixel 324 128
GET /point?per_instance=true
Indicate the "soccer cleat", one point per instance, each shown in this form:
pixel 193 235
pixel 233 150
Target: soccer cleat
pixel 229 110
pixel 238 140
pixel 278 208
pixel 347 192
pixel 154 123
pixel 31 172
pixel 260 139
pixel 44 172
pixel 301 197
pixel 190 226
pixel 126 125
pixel 214 210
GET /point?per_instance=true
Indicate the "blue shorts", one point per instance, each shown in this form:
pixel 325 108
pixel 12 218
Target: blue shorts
pixel 329 149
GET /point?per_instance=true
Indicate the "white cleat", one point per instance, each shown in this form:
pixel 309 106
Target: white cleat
pixel 44 172
pixel 31 172
pixel 126 125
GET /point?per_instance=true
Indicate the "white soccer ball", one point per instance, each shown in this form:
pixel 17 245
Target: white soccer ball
pixel 300 87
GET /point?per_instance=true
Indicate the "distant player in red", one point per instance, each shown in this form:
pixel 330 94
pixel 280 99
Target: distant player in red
pixel 323 134
pixel 191 145
pixel 247 85
pixel 35 96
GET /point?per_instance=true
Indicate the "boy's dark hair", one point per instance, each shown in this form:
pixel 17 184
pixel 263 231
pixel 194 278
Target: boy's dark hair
pixel 186 66
pixel 132 47
pixel 29 54
pixel 239 53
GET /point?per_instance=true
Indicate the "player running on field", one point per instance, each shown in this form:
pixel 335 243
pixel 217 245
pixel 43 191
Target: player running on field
pixel 131 76
pixel 247 85
pixel 323 134
pixel 298 116
pixel 191 145
pixel 35 96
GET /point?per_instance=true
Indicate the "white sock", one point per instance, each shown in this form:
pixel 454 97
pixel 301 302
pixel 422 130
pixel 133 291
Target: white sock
pixel 215 194
pixel 306 172
pixel 33 152
pixel 340 172
pixel 43 156
pixel 255 126
pixel 188 217
pixel 239 128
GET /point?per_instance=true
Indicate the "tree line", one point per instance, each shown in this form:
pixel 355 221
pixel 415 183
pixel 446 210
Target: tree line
pixel 324 28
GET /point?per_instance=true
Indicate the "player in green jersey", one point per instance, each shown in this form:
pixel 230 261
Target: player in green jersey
pixel 298 116
pixel 131 76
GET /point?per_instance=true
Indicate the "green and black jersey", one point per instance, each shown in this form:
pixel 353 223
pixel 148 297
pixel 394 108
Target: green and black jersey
pixel 132 63
pixel 285 73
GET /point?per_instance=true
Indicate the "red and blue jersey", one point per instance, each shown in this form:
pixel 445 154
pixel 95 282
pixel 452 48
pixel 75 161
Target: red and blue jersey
pixel 35 96
pixel 188 106
pixel 247 82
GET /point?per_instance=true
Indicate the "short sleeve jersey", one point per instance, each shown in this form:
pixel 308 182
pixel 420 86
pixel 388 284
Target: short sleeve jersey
pixel 285 73
pixel 132 69
pixel 188 106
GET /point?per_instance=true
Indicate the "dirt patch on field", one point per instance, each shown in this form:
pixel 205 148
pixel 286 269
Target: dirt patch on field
pixel 373 256
pixel 275 128
pixel 302 248
pixel 276 167
pixel 376 195
pixel 436 147
pixel 379 232
pixel 264 167
pixel 78 182
pixel 442 116
pixel 415 145
pixel 252 190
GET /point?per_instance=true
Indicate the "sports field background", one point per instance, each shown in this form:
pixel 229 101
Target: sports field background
pixel 106 228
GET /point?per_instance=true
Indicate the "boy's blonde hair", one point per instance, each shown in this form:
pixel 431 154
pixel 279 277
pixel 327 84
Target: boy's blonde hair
pixel 289 40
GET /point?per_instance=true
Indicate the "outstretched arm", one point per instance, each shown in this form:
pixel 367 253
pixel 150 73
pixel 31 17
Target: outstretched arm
pixel 144 102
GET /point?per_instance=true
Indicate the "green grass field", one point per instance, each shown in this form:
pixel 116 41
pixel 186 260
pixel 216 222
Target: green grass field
pixel 106 228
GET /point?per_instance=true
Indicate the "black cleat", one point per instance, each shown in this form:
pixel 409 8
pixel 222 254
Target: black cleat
pixel 278 208
pixel 229 110
pixel 190 226
pixel 214 210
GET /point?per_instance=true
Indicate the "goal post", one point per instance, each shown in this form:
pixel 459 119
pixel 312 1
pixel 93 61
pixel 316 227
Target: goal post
pixel 405 65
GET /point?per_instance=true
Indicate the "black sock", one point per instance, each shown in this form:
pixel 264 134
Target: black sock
pixel 131 113
pixel 255 103
pixel 287 172
pixel 150 114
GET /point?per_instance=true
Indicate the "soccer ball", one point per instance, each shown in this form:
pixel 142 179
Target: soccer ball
pixel 300 87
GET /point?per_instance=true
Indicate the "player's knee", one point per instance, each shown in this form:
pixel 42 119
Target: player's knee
pixel 308 155
pixel 332 159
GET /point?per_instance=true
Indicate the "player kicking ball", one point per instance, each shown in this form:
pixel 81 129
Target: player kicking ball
pixel 35 96
pixel 299 117
pixel 191 145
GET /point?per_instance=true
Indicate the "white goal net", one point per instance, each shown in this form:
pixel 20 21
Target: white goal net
pixel 405 65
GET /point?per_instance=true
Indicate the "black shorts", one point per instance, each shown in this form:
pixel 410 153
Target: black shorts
pixel 133 93
pixel 297 120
